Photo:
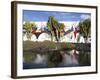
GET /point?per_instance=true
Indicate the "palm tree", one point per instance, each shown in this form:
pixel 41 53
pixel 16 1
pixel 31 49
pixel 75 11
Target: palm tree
pixel 28 27
pixel 85 27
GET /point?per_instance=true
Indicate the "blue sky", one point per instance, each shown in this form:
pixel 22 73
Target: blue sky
pixel 31 15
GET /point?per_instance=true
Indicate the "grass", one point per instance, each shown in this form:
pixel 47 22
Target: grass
pixel 29 57
pixel 28 45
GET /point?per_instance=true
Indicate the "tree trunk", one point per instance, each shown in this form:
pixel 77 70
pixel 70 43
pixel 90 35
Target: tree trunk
pixel 86 40
pixel 58 35
pixel 51 36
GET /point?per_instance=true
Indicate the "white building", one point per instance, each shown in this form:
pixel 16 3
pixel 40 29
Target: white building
pixel 66 38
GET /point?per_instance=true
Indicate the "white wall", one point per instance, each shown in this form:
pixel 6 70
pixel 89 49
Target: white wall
pixel 5 40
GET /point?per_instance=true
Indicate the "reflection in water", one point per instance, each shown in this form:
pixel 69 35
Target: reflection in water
pixel 40 59
pixel 69 60
pixel 59 59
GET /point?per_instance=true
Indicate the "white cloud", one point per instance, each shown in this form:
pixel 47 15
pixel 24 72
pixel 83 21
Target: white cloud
pixel 85 16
